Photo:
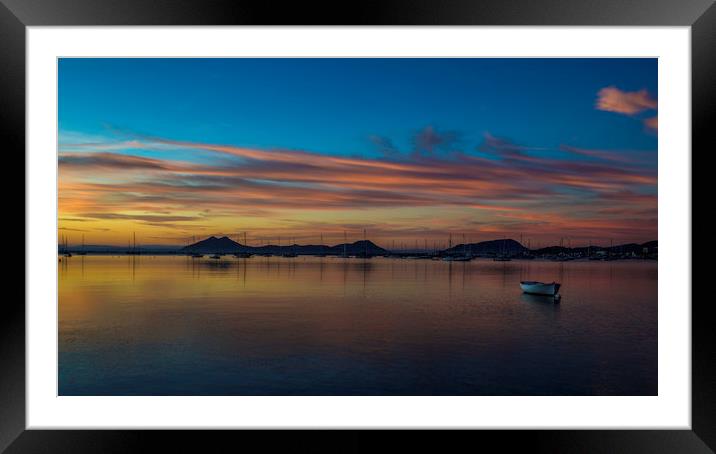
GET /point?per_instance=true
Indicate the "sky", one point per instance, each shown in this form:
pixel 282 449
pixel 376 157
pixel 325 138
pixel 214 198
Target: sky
pixel 409 150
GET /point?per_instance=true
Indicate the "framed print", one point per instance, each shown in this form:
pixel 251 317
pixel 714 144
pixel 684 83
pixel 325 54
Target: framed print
pixel 410 217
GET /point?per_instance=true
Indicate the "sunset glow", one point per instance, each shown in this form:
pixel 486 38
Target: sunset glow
pixel 140 156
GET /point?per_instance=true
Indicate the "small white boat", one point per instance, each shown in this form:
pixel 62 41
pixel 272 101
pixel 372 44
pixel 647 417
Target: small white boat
pixel 540 288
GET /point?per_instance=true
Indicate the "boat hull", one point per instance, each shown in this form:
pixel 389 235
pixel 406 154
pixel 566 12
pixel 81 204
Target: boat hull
pixel 540 288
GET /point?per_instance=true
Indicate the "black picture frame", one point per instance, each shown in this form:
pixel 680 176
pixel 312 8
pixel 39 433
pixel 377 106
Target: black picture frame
pixel 16 15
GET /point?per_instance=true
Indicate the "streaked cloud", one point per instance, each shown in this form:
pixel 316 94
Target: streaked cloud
pixel 645 157
pixel 504 187
pixel 139 217
pixel 108 160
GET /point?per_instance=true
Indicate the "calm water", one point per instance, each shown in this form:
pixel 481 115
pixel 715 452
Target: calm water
pixel 331 326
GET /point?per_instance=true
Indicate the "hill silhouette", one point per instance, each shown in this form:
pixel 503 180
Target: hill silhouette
pixel 628 248
pixel 226 245
pixel 505 246
pixel 213 245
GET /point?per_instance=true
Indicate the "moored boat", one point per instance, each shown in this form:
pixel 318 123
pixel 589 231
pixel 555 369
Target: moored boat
pixel 540 288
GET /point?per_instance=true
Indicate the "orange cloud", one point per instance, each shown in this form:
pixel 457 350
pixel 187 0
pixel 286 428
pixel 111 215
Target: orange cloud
pixel 613 99
pixel 652 123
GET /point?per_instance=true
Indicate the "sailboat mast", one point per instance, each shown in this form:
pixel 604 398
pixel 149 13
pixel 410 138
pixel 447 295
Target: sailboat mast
pixel 365 244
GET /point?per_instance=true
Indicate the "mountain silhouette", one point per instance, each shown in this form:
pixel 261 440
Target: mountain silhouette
pixel 225 245
pixel 506 246
pixel 649 247
pixel 214 245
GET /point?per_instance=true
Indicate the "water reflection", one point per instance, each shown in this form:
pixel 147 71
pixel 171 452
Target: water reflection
pixel 546 306
pixel 327 325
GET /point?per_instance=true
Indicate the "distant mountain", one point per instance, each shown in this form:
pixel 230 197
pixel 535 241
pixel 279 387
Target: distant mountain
pixel 506 246
pixel 512 247
pixel 358 248
pixel 628 248
pixel 225 245
pixel 651 245
pixel 556 250
pixel 214 245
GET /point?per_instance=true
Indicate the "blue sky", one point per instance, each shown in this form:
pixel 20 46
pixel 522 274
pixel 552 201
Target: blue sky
pixel 336 105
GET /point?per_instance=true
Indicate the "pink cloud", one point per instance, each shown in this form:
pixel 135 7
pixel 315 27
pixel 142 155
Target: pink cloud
pixel 613 99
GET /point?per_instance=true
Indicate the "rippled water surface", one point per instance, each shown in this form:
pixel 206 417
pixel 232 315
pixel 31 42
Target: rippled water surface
pixel 332 326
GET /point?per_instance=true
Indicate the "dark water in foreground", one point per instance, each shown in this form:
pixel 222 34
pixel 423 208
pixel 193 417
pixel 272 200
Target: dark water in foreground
pixel 331 326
